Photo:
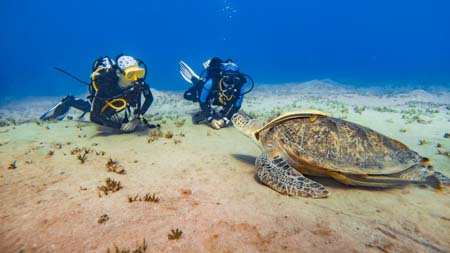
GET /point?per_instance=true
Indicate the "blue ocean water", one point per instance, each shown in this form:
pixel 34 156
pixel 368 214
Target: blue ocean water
pixel 350 41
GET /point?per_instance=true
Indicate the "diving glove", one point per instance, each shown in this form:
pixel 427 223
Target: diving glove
pixel 217 124
pixel 130 125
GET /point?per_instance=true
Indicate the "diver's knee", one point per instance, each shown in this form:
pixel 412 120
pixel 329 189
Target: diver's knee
pixel 95 118
pixel 68 100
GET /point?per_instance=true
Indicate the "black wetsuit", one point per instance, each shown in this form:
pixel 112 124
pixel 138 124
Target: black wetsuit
pixel 108 89
pixel 207 93
pixel 210 95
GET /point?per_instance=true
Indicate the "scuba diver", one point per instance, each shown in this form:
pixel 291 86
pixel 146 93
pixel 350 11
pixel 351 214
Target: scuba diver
pixel 218 89
pixel 116 86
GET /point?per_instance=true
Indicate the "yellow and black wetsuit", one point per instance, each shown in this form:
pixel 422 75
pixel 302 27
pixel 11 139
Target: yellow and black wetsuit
pixel 110 98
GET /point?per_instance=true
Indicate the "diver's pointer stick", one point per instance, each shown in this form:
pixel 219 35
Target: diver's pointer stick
pixel 74 77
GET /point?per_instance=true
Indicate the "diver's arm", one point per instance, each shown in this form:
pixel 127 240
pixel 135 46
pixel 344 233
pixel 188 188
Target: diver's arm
pixel 148 96
pixel 204 103
pixel 234 107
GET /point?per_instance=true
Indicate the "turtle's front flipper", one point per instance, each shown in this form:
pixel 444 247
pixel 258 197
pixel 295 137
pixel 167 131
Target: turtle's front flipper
pixel 275 172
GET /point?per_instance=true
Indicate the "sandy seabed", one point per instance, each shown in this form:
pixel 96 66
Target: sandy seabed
pixel 205 180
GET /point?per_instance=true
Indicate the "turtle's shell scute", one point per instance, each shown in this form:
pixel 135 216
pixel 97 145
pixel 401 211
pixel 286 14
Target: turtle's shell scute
pixel 333 144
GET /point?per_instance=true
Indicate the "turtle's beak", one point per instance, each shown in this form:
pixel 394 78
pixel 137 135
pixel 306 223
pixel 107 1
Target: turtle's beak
pixel 240 120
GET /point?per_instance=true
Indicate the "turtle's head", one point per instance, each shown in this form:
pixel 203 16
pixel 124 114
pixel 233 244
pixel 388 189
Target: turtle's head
pixel 246 124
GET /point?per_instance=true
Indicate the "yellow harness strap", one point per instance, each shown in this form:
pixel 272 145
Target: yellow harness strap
pixel 111 104
pixel 93 77
pixel 108 103
pixel 223 95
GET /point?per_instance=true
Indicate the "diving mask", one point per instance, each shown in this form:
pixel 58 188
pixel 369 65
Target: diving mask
pixel 231 80
pixel 133 73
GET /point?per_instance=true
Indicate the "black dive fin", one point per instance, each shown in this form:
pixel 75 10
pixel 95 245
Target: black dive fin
pixel 59 111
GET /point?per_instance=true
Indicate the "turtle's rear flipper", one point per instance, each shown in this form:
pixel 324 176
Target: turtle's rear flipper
pixel 444 180
pixel 275 172
pixel 416 174
pixel 425 175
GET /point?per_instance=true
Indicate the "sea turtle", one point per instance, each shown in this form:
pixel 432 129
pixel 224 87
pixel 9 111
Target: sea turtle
pixel 312 143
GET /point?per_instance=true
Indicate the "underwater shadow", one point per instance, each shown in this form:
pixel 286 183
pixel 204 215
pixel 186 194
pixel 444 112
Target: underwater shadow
pixel 197 117
pixel 87 122
pixel 105 132
pixel 249 159
pixel 326 181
